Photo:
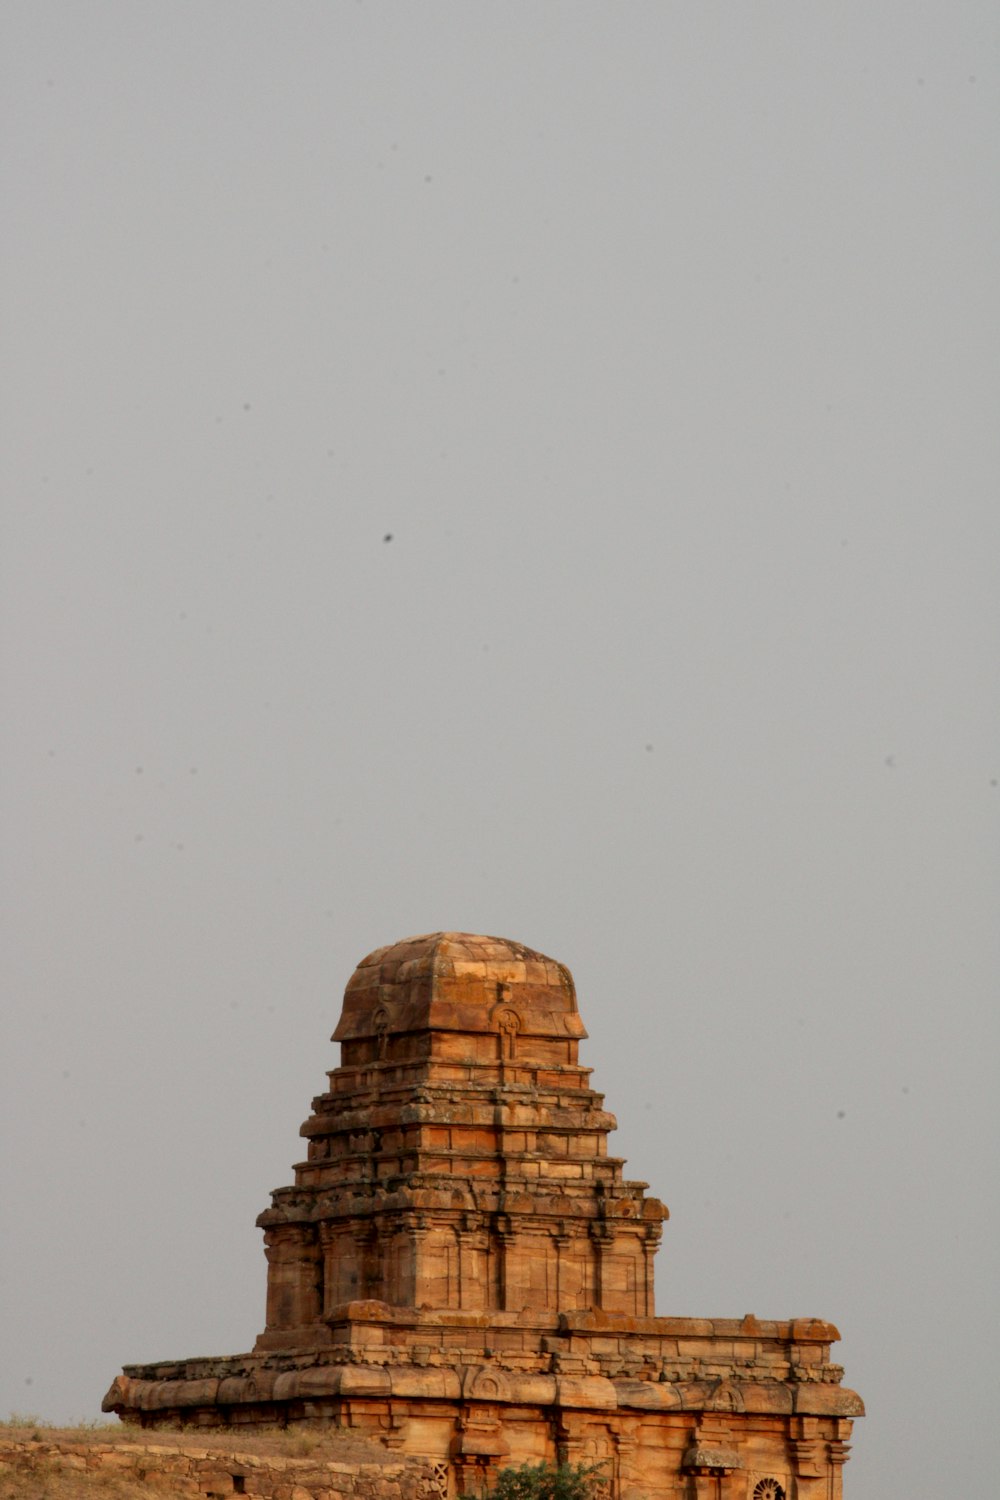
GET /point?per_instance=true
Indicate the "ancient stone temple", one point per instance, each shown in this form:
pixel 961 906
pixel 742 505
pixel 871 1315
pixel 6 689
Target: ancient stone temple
pixel 461 1269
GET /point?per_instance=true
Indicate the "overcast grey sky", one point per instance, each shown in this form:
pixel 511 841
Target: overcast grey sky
pixel 662 340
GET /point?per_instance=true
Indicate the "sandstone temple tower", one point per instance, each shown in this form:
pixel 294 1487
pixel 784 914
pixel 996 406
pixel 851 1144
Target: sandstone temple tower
pixel 462 1270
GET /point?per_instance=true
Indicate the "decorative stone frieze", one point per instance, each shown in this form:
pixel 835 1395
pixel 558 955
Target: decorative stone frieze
pixel 461 1269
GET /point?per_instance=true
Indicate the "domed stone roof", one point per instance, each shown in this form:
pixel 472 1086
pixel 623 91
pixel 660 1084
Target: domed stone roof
pixel 459 981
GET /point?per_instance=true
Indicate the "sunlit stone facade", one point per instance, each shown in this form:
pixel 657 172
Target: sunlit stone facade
pixel 461 1269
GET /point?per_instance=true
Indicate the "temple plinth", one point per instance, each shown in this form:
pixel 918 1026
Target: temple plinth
pixel 461 1268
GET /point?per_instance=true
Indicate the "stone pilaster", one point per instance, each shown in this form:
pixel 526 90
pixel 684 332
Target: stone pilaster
pixel 294 1276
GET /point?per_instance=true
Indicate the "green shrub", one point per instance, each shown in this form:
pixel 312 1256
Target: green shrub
pixel 547 1482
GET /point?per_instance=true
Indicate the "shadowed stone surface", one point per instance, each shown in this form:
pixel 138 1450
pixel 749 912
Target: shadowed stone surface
pixel 462 1270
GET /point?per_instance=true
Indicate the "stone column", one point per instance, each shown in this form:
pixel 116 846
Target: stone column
pixel 807 1458
pixel 365 1237
pixel 651 1243
pixel 602 1239
pixel 416 1233
pixel 501 1241
pixel 625 1445
pixel 473 1288
pixel 398 1282
pixel 839 1450
pixel 569 1442
pixel 338 1266
pixel 562 1242
pixel 294 1276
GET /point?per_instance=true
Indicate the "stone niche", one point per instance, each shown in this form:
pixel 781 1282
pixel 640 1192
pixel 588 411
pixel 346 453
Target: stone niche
pixel 462 1271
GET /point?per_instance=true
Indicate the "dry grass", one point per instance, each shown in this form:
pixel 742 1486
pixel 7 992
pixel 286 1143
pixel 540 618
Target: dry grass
pixel 330 1444
pixel 51 1480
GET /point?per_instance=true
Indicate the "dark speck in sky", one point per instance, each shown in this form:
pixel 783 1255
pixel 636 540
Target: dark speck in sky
pixel 841 1114
pixel 387 537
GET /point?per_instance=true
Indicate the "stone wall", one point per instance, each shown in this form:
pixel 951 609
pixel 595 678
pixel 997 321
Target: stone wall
pixel 195 1471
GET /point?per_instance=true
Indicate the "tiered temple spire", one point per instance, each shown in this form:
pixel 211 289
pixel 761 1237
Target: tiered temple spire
pixel 459 1158
pixel 462 1270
